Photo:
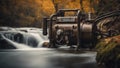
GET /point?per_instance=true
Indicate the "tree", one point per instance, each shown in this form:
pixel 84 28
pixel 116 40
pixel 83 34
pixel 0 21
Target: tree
pixel 105 6
pixel 81 5
pixel 55 5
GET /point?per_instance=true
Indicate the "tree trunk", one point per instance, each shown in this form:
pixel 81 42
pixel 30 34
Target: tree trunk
pixel 55 5
pixel 81 5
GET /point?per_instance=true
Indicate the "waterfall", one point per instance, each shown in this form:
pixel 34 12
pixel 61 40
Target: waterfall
pixel 15 44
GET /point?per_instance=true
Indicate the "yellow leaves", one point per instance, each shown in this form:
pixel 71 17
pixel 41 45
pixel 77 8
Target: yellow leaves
pixel 87 7
pixel 47 7
pixel 73 5
pixel 26 11
pixel 58 1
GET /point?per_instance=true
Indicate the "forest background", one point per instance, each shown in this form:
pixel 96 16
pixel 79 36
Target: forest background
pixel 29 13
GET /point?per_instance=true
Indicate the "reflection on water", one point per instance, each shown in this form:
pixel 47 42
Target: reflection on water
pixel 47 58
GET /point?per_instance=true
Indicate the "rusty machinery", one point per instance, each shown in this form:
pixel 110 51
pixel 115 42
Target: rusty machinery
pixel 69 29
pixel 107 25
pixel 73 29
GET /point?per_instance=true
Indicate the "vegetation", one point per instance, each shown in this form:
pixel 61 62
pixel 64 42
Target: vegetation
pixel 18 13
pixel 24 12
pixel 108 52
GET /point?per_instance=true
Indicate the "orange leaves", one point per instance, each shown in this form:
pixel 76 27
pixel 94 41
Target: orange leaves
pixel 25 12
pixel 48 7
pixel 87 6
pixel 72 5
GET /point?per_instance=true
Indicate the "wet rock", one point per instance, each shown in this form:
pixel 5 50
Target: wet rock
pixel 108 52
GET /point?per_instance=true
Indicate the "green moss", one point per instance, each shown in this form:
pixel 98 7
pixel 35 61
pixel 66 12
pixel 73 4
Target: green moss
pixel 107 51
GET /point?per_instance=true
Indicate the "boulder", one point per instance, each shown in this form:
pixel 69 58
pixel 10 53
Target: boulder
pixel 108 52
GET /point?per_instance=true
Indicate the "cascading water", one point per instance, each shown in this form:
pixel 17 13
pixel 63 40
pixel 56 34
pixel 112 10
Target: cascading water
pixel 13 44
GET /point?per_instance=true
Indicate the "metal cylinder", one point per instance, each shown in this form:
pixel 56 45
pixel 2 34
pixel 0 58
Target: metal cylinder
pixel 86 32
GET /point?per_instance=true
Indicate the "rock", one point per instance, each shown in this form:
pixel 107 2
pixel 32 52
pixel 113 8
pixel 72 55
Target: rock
pixel 108 52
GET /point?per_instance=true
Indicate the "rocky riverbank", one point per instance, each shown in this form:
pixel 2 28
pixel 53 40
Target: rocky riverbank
pixel 108 52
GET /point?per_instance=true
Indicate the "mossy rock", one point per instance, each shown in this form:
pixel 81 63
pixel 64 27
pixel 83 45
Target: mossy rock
pixel 108 52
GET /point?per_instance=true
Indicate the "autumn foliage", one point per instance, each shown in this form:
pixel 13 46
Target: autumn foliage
pixel 19 13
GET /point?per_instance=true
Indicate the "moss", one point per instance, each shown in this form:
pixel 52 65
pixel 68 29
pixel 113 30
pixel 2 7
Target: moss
pixel 108 52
